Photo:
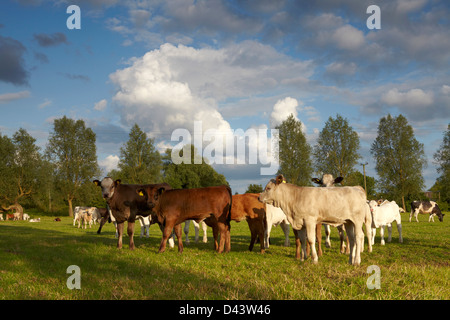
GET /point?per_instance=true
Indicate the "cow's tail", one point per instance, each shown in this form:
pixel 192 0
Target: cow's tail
pixel 231 204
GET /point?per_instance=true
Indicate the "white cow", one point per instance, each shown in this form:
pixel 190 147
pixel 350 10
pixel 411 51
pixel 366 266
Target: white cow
pixel 196 228
pixel 305 207
pixel 26 216
pixel 275 216
pixel 1 216
pixel 383 215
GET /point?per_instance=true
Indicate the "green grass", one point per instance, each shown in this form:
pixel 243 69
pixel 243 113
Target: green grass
pixel 34 258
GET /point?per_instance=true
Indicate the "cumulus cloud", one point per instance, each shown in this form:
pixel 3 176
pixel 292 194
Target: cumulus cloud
pixel 282 110
pixel 109 163
pixel 101 105
pixel 412 98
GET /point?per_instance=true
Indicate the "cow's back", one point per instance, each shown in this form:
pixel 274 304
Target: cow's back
pixel 246 205
pixel 195 204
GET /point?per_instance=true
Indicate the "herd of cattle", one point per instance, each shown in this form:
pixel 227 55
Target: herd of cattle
pixel 306 209
pixel 281 203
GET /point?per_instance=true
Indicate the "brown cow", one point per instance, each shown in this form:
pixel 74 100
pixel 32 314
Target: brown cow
pixel 172 207
pixel 125 203
pixel 248 207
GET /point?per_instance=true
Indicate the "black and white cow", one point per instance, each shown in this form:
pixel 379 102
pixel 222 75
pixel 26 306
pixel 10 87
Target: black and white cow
pixel 425 207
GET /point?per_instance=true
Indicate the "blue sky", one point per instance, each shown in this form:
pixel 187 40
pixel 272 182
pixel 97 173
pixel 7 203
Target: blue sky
pixel 229 64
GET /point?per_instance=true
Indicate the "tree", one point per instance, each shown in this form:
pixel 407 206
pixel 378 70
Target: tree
pixel 20 163
pixel 442 158
pixel 254 188
pixel 140 162
pixel 187 176
pixel 356 178
pixel 399 157
pixel 294 152
pixel 72 149
pixel 336 151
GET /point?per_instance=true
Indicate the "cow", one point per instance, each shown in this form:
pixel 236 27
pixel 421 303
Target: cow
pixel 425 207
pixel 172 207
pixel 247 207
pixel 125 203
pixel 328 180
pixel 305 207
pixel 383 215
pixel 274 217
pixel 196 229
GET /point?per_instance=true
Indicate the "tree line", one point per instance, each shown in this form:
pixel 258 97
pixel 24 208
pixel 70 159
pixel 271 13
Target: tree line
pixel 59 177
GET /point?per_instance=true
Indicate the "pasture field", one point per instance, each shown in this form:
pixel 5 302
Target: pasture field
pixel 34 258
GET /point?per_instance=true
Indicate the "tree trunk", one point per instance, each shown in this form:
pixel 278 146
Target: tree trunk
pixel 403 202
pixel 69 200
pixel 16 206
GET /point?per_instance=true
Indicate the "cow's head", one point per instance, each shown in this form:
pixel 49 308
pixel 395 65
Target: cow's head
pixel 108 186
pixel 372 205
pixel 271 193
pixel 151 195
pixel 327 180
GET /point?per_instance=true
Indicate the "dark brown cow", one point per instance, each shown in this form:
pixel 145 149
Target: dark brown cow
pixel 172 207
pixel 125 203
pixel 248 207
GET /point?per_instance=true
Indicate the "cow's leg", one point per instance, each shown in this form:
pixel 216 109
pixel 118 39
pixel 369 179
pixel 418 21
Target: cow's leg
pixel 342 238
pixel 253 234
pixel 167 232
pixel 297 244
pixel 389 232
pixel 147 229
pixel 216 236
pixel 416 214
pixel 368 225
pixel 319 238
pixel 261 230
pixel 431 217
pixel 205 229
pixel 142 231
pixel 228 237
pixel 120 233
pixel 196 229
pixel 350 230
pixel 302 236
pixel 382 235
pixel 267 235
pixel 285 227
pixel 399 228
pixel 179 237
pixel 102 222
pixel 327 236
pixel 311 228
pixel 359 236
pixel 187 223
pixel 130 231
pixel 374 232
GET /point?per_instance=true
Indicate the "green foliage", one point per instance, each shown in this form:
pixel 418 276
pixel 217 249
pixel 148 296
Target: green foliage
pixel 71 148
pixel 187 176
pixel 400 159
pixel 294 152
pixel 140 162
pixel 442 157
pixel 254 188
pixel 356 178
pixel 336 151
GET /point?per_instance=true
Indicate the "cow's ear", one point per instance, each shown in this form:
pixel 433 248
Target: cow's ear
pixel 316 180
pixel 338 180
pixel 117 182
pixel 279 179
pixel 141 192
pixel 97 183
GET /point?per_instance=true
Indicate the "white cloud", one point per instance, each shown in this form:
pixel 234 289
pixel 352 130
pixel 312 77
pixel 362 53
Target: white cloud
pixel 109 163
pixel 8 97
pixel 101 105
pixel 46 103
pixel 282 109
pixel 412 98
pixel 348 38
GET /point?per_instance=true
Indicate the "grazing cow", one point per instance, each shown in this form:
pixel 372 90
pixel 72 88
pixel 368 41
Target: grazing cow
pixel 125 203
pixel 384 215
pixel 173 207
pixel 35 220
pixel 196 229
pixel 305 207
pixel 425 207
pixel 274 217
pixel 26 216
pixel 247 207
pixel 1 216
pixel 9 216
